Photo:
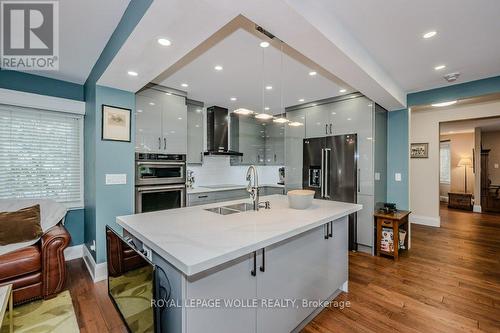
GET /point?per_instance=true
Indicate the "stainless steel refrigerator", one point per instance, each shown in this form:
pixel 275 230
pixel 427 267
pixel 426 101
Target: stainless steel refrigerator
pixel 330 169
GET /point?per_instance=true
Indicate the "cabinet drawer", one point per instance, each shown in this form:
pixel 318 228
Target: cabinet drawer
pixel 232 195
pixel 386 223
pixel 201 198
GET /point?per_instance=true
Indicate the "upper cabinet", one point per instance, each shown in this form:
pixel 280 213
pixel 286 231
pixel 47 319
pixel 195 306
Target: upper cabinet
pixel 261 142
pixel 195 133
pixel 161 122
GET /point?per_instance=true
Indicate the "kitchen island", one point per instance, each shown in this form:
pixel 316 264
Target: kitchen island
pixel 250 271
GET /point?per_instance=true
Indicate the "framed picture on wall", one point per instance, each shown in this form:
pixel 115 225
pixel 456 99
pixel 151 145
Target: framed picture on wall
pixel 116 123
pixel 419 150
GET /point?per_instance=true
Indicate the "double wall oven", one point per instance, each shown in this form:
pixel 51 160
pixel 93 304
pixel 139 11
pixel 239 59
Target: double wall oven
pixel 160 182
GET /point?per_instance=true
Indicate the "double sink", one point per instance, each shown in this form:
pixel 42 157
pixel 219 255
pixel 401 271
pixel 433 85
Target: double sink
pixel 231 209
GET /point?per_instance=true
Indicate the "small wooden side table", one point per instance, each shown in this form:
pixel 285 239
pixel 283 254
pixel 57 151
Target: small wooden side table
pixel 459 200
pixel 395 221
pixel 6 299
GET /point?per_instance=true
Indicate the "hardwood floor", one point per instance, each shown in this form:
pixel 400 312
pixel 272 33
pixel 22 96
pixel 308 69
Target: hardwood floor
pixel 449 282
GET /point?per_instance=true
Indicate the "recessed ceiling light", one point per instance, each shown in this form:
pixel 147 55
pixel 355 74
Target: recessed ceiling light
pixel 312 73
pixel 429 34
pixel 294 124
pixel 334 113
pixel 151 103
pixel 266 108
pixel 437 68
pixel 243 111
pixel 301 100
pixel 139 111
pixel 180 118
pixel 264 44
pixel 218 68
pixel 263 116
pixel 132 73
pixel 349 119
pixel 438 105
pixel 269 87
pixel 168 94
pixel 342 90
pixel 280 120
pixel 185 85
pixel 233 99
pixel 164 42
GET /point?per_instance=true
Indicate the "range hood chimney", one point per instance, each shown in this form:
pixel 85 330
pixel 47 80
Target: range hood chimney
pixel 217 132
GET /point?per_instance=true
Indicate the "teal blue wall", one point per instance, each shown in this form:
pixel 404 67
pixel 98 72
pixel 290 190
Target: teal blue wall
pixel 398 131
pixel 397 158
pixel 104 202
pixel 40 85
pixel 74 223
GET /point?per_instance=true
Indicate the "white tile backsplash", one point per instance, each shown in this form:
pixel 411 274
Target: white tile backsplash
pixel 217 170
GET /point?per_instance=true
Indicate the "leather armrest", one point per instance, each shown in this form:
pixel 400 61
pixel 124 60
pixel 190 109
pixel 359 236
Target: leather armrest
pixel 52 246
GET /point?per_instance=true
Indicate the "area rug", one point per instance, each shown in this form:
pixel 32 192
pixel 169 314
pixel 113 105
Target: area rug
pixel 54 315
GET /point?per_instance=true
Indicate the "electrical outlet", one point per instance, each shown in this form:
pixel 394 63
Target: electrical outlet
pixel 397 177
pixel 496 165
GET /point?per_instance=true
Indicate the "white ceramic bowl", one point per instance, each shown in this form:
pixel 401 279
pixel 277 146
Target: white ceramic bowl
pixel 300 199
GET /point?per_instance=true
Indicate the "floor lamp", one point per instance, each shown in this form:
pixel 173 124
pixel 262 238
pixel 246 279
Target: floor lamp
pixel 465 162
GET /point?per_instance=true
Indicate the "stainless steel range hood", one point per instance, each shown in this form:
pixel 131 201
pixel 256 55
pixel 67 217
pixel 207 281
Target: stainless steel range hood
pixel 217 132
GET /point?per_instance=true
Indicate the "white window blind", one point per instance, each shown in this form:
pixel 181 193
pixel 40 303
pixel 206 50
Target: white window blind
pixel 444 163
pixel 41 155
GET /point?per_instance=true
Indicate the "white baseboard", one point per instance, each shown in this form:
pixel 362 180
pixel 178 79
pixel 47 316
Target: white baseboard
pixel 425 220
pixel 345 287
pixel 73 252
pixel 365 249
pixel 477 209
pixel 98 272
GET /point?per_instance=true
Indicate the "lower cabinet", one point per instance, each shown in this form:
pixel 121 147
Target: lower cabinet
pixel 195 199
pixel 365 221
pixel 305 267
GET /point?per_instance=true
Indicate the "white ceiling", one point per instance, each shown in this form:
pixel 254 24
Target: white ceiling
pixel 84 29
pixel 391 31
pixel 247 69
pixel 467 126
pixel 188 23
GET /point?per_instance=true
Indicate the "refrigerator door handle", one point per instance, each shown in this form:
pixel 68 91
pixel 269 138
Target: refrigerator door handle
pixel 322 174
pixel 327 173
pixel 359 180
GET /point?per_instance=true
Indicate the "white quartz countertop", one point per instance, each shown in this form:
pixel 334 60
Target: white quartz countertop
pixel 194 240
pixel 227 187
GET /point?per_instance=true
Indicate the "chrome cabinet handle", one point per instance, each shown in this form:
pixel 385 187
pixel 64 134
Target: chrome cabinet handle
pixel 326 128
pixel 331 230
pixel 165 143
pixel 359 180
pixel 159 143
pixel 331 128
pixel 327 173
pixel 321 180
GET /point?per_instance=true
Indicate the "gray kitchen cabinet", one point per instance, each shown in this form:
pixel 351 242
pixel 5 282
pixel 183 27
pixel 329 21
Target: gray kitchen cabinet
pixel 248 137
pixel 275 143
pixel 194 134
pixel 294 136
pixel 162 125
pixel 319 122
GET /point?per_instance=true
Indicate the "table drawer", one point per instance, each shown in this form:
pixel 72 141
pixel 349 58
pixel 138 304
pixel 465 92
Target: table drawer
pixel 386 223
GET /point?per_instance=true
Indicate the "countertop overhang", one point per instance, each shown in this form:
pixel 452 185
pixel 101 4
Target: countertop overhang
pixel 194 240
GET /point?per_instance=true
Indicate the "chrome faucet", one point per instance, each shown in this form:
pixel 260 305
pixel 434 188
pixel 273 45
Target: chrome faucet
pixel 253 189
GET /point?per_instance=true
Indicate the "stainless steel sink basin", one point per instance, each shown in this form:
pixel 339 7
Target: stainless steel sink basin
pixel 222 210
pixel 242 207
pixel 231 209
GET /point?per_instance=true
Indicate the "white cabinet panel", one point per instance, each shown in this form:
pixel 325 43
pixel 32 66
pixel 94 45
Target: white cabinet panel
pixel 294 269
pixel 294 137
pixel 232 281
pixel 148 126
pixel 174 124
pixel 365 222
pixel 194 134
pixel 337 255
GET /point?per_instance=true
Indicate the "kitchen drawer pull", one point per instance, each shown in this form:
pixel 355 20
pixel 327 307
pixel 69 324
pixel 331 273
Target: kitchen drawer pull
pixel 327 230
pixel 263 267
pixel 331 128
pixel 326 128
pixel 331 230
pixel 165 143
pixel 387 223
pixel 202 196
pixel 159 143
pixel 254 270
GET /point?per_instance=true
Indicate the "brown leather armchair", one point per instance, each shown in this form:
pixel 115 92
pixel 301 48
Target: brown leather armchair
pixel 39 270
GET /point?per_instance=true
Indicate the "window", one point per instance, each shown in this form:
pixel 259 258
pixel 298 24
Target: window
pixel 41 155
pixel 444 162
